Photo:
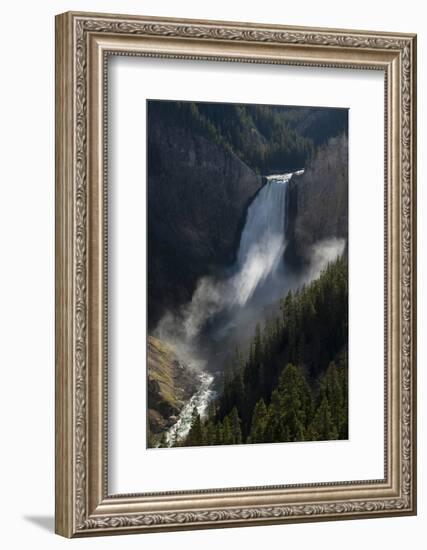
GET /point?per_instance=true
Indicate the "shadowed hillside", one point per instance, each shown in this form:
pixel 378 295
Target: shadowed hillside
pixel 247 273
pixel 318 201
pixel 292 384
pixel 204 161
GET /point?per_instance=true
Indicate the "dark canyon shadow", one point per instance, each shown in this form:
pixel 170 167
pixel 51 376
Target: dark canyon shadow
pixel 214 280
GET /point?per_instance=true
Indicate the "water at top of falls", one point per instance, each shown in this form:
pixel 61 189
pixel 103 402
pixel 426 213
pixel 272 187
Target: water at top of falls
pixel 263 239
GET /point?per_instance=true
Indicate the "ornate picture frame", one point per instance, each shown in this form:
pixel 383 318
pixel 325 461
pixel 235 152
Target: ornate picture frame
pixel 84 42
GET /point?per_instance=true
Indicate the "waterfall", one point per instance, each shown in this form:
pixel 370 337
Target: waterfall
pixel 258 273
pixel 255 281
pixel 263 241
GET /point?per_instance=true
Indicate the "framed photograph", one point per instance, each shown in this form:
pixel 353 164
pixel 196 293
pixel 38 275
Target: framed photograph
pixel 235 274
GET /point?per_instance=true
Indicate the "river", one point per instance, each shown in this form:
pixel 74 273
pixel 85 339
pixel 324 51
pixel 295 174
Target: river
pixel 201 399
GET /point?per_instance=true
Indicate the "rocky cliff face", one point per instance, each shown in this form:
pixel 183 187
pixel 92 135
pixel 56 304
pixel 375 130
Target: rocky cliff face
pixel 198 193
pixel 318 202
pixel 169 385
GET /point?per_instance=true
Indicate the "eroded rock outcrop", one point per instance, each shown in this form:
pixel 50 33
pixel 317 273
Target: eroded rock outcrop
pixel 170 384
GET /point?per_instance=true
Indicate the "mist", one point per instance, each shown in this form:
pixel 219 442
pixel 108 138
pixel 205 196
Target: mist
pixel 224 310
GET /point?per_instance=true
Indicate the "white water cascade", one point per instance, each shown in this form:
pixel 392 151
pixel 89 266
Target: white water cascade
pixel 200 400
pixel 263 240
pixel 258 269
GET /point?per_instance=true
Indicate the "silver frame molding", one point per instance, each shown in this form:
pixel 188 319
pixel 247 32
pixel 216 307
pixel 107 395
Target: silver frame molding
pixel 83 43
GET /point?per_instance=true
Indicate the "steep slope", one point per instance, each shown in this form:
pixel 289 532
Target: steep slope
pixel 198 194
pixel 169 385
pixel 318 201
pixel 204 161
pixel 296 366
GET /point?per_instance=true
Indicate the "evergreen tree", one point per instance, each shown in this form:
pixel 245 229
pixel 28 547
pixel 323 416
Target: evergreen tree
pixel 323 427
pixel 227 377
pixel 332 388
pixel 237 390
pixel 259 423
pixel 235 426
pixel 210 433
pixel 296 401
pixel 219 439
pixel 274 429
pixel 195 435
pixel 343 383
pixel 227 434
